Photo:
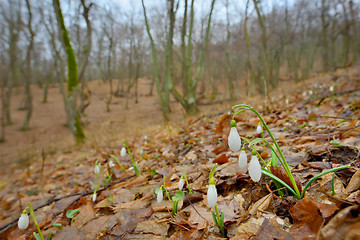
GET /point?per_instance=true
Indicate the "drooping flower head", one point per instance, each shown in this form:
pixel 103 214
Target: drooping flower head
pixel 123 152
pixel 160 195
pixel 23 221
pixel 259 129
pixel 211 193
pixel 243 159
pixel 234 140
pixel 111 164
pixel 94 197
pixel 254 168
pixel 97 168
pixel 181 183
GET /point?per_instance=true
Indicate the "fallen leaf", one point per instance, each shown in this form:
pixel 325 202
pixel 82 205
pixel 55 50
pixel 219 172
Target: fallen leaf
pixel 309 215
pixel 270 229
pixel 344 225
pixel 280 173
pixel 354 182
pixel 221 159
pixel 69 233
pixel 153 227
pixel 261 205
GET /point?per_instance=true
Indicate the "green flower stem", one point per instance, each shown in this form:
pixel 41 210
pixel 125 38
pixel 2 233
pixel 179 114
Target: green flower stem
pixel 35 222
pixel 321 174
pixel 333 184
pixel 272 148
pixel 285 165
pixel 135 164
pixel 220 221
pixel 186 180
pixel 273 177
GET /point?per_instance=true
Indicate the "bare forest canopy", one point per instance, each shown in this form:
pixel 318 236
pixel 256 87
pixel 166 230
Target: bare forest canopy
pixel 190 49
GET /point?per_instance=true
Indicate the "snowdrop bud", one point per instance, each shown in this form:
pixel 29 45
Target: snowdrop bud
pixel 97 169
pixel 255 169
pixel 259 129
pixel 111 164
pixel 287 101
pixel 94 197
pixel 242 159
pixel 160 195
pixel 123 152
pixel 310 92
pixel 234 140
pixel 212 195
pixel 181 183
pixel 23 222
pixel 331 88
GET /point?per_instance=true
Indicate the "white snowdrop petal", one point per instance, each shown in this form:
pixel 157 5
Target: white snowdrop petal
pixel 94 197
pixel 259 129
pixel 160 196
pixel 212 196
pixel 331 88
pixel 111 164
pixel 242 160
pixel 123 152
pixel 181 183
pixel 255 169
pixel 234 140
pixel 97 169
pixel 23 222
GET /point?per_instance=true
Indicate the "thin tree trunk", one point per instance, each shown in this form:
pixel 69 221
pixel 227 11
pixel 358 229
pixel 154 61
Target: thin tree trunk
pixel 74 116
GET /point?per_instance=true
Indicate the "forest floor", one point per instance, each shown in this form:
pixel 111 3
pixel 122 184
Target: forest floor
pixel 126 206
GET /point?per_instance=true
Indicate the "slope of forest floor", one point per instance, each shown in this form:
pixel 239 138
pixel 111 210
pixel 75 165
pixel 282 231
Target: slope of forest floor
pixel 126 206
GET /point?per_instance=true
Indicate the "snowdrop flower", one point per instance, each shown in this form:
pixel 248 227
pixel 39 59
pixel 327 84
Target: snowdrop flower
pixel 331 88
pixel 234 140
pixel 141 151
pixel 304 94
pixel 160 195
pixel 259 129
pixel 97 169
pixel 242 159
pixel 255 169
pixel 94 197
pixel 181 183
pixel 287 101
pixel 211 193
pixel 23 222
pixel 111 164
pixel 310 92
pixel 123 152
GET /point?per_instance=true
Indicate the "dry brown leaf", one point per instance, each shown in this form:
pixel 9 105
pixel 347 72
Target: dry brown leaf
pixel 128 219
pixel 270 229
pixel 200 218
pixel 280 173
pixel 309 215
pixel 354 182
pixel 221 159
pixel 85 215
pixel 344 225
pixel 69 233
pixel 153 227
pixel 261 205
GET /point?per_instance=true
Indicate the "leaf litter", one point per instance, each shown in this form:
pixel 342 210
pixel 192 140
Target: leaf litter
pixel 316 133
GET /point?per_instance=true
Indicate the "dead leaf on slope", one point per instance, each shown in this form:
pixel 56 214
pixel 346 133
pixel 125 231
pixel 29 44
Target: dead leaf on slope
pixel 309 216
pixel 280 173
pixel 270 229
pixel 199 218
pixel 354 182
pixel 69 233
pixel 128 219
pixel 261 205
pixel 344 225
pixel 85 215
pixel 153 227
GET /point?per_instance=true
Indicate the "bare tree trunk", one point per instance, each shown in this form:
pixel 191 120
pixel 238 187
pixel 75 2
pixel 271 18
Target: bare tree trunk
pixel 86 54
pixel 229 73
pixel 74 123
pixel 28 75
